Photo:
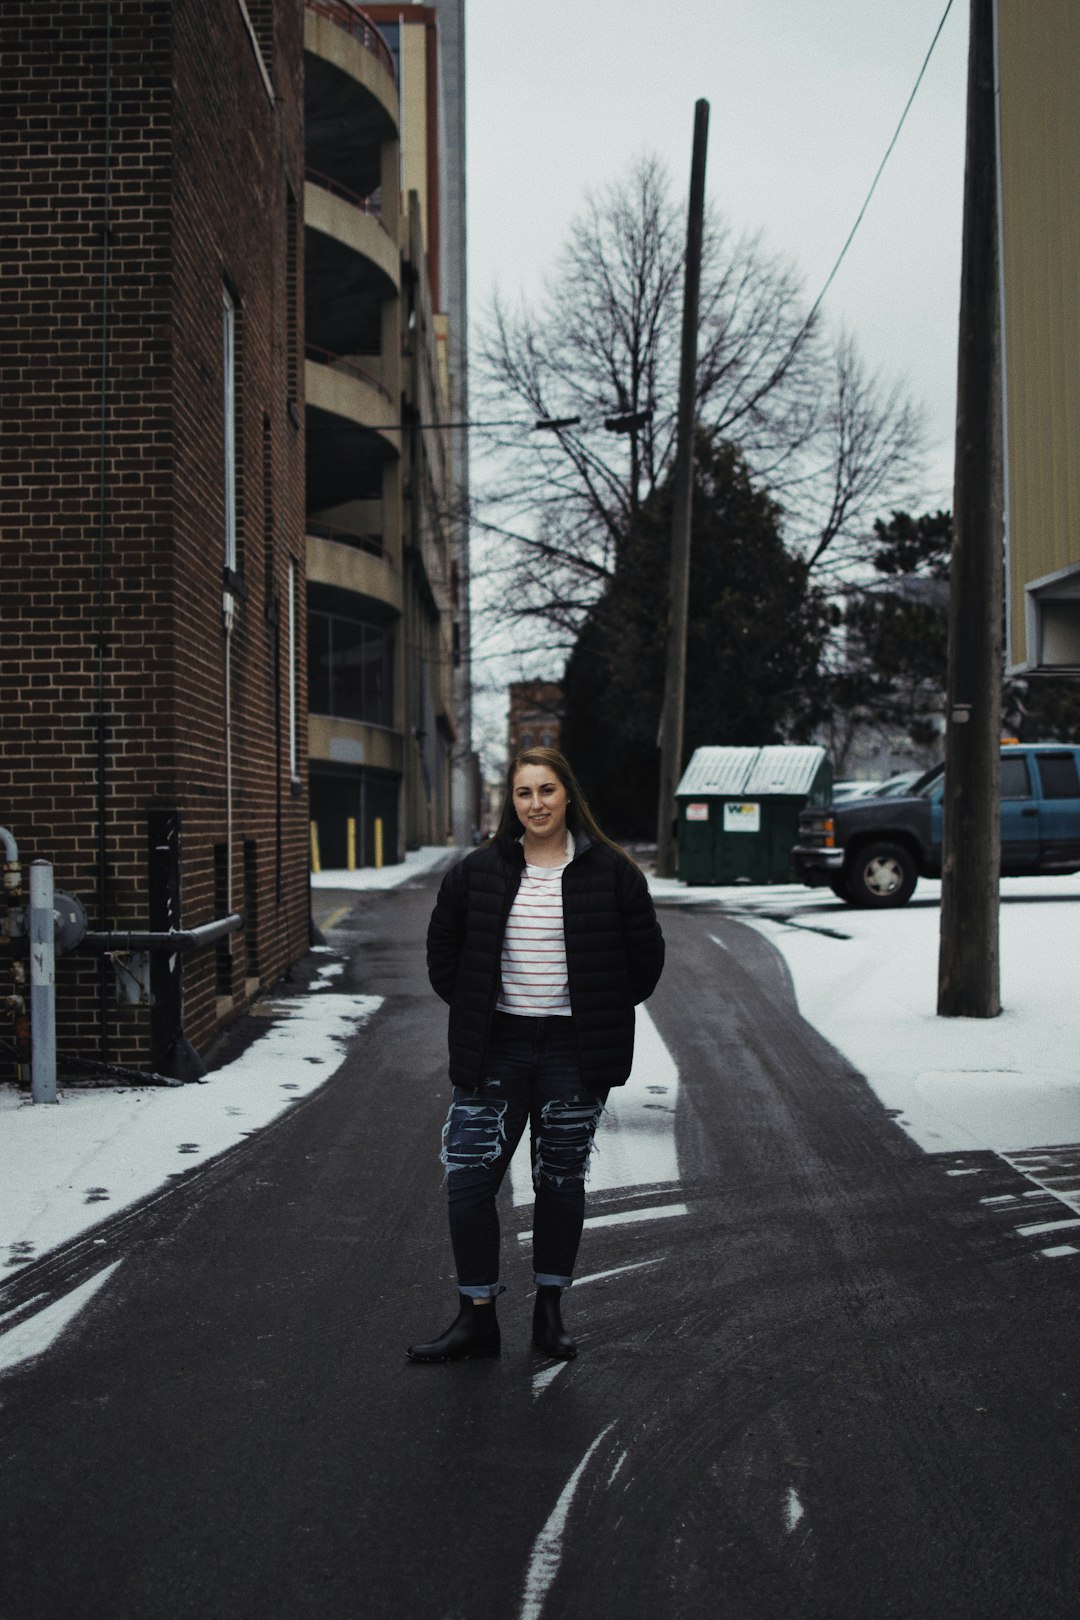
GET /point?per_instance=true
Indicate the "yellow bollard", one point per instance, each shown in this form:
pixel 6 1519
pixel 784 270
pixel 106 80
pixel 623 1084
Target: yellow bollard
pixel 350 844
pixel 378 840
pixel 315 863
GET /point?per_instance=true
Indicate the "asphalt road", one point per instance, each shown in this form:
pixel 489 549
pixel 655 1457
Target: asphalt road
pixel 819 1376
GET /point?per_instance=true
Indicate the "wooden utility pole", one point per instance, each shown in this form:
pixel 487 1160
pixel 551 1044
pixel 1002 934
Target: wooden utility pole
pixel 671 719
pixel 968 975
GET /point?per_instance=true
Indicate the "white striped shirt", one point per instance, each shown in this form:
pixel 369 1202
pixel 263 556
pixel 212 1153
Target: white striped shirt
pixel 534 980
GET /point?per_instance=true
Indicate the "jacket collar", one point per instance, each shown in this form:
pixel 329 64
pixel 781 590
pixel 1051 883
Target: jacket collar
pixel 514 851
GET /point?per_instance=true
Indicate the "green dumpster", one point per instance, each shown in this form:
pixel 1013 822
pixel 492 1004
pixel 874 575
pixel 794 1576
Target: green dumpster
pixel 738 811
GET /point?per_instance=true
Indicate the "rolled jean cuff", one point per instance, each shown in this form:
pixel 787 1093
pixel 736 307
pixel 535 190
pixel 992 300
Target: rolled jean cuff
pixel 548 1279
pixel 481 1290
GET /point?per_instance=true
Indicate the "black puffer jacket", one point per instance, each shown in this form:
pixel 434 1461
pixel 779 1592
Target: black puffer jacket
pixel 614 953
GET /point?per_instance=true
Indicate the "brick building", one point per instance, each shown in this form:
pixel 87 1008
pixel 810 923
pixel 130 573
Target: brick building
pixel 152 669
pixel 535 719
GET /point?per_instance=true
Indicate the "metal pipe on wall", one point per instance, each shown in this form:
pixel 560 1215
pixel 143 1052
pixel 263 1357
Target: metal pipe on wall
pixel 102 760
pixel 42 984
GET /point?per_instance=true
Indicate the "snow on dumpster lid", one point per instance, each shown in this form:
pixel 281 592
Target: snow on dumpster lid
pixel 784 770
pixel 757 771
pixel 717 770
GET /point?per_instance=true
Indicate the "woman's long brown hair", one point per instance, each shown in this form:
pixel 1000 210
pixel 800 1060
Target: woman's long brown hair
pixel 579 818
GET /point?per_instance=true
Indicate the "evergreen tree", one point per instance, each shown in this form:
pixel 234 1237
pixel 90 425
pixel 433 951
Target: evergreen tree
pixel 755 635
pixel 896 647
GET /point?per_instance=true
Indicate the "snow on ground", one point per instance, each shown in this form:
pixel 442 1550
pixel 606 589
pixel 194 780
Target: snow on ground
pixel 868 981
pixel 66 1166
pixel 865 979
pixel 416 862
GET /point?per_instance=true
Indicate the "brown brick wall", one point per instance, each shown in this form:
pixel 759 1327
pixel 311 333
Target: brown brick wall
pixel 199 162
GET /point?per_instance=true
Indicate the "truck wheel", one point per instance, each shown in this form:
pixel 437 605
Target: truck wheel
pixel 881 875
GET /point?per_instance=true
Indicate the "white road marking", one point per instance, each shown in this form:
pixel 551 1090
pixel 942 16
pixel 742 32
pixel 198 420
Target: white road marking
pixel 541 1380
pixel 793 1510
pixel 719 942
pixel 635 1265
pixel 38 1333
pixel 1035 1166
pixel 1047 1226
pixel 611 1477
pixel 655 1212
pixel 1062 1248
pixel 963 1172
pixel 547 1548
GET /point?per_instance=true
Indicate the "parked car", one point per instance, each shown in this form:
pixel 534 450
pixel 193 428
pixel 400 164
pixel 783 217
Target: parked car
pixel 872 851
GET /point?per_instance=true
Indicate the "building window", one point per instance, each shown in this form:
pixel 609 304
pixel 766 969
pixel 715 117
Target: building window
pixel 293 763
pixel 350 669
pixel 268 510
pixel 292 325
pixel 229 375
pixel 260 14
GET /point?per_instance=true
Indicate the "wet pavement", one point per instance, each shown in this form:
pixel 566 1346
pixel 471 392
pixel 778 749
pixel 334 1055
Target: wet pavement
pixel 822 1373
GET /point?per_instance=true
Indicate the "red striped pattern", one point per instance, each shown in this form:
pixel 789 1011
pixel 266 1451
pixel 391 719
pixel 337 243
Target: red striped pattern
pixel 534 982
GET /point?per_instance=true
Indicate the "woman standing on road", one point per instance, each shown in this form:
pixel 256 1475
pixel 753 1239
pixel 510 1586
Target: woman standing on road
pixel 542 941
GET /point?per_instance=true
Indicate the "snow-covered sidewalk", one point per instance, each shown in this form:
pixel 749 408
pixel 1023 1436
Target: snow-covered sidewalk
pixel 868 981
pixel 416 862
pixel 64 1167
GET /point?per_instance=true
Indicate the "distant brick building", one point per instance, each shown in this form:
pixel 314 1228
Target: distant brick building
pixel 535 715
pixel 152 669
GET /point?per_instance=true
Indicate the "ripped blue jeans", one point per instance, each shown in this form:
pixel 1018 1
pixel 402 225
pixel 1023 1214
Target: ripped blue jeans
pixel 532 1078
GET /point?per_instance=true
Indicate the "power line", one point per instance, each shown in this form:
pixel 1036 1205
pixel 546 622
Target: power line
pixel 780 369
pixel 880 170
pixel 623 422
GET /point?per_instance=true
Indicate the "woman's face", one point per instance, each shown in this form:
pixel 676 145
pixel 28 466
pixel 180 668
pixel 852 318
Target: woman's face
pixel 540 801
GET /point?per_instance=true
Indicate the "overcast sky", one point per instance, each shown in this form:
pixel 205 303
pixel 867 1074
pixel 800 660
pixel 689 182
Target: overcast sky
pixel 804 95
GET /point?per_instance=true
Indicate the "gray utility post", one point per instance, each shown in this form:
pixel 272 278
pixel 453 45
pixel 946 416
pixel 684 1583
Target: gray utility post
pixel 42 984
pixel 968 975
pixel 671 719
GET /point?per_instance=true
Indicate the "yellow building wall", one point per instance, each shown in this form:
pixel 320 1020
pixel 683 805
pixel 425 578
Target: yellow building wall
pixel 1038 49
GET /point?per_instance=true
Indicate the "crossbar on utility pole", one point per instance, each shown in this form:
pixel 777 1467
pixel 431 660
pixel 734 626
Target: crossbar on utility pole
pixel 968 972
pixel 671 720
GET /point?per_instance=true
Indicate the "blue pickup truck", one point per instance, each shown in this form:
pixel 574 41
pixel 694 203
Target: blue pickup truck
pixel 872 852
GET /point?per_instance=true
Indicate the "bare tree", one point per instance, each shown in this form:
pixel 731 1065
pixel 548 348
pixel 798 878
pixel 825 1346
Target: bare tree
pixel 871 439
pixel 832 443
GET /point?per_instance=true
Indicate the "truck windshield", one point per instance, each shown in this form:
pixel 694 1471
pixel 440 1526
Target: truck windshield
pixel 927 782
